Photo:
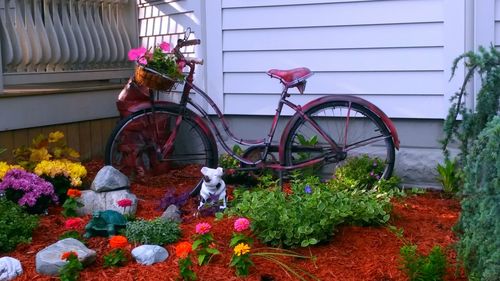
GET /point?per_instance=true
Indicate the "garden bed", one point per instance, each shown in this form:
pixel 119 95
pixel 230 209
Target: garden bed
pixel 354 253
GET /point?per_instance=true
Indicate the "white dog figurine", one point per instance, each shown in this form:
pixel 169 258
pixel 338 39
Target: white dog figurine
pixel 213 188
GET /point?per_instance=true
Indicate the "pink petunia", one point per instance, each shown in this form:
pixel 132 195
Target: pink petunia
pixel 203 228
pixel 137 53
pixel 124 202
pixel 241 224
pixel 165 47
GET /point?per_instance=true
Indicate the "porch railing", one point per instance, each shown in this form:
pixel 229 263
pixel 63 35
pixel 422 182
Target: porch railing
pixel 58 40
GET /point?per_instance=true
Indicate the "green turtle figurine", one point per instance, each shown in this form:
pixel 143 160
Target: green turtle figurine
pixel 105 223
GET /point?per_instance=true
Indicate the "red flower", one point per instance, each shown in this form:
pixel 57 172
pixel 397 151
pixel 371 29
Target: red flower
pixel 74 224
pixel 183 249
pixel 66 255
pixel 74 193
pixel 124 202
pixel 118 241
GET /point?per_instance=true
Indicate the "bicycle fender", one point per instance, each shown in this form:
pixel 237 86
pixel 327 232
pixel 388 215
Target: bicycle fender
pixel 385 119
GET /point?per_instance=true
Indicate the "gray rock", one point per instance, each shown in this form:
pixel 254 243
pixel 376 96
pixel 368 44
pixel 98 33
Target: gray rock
pixel 172 213
pixel 100 201
pixel 48 261
pixel 10 268
pixel 149 254
pixel 109 178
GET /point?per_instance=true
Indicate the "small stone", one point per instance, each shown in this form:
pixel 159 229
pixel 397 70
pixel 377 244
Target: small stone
pixel 172 213
pixel 48 261
pixel 109 178
pixel 149 254
pixel 10 268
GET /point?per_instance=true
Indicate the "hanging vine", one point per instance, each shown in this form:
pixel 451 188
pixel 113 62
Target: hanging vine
pixel 487 64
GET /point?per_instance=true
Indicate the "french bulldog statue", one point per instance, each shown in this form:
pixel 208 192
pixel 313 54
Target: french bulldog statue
pixel 213 188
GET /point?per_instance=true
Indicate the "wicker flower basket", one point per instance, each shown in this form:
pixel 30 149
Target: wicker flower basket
pixel 147 77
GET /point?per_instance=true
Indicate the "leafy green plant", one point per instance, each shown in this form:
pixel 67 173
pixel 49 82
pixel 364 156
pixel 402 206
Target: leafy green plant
pixel 204 243
pixel 310 213
pixel 302 156
pixel 479 223
pixel 485 63
pixel 115 258
pixel 16 225
pixel 157 232
pixel 70 271
pixel 419 267
pixel 363 172
pixel 449 176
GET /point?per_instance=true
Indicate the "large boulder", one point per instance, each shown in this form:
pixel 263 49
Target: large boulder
pixel 100 201
pixel 48 261
pixel 149 254
pixel 10 268
pixel 109 178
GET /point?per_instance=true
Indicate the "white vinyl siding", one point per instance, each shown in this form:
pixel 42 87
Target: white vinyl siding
pixel 391 52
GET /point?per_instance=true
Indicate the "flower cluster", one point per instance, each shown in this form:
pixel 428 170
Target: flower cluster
pixel 204 243
pixel 74 193
pixel 4 168
pixel 29 185
pixel 67 255
pixel 118 241
pixel 159 59
pixel 74 171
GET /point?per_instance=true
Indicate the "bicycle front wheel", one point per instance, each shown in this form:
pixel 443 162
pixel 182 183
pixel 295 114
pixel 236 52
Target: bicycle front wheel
pixel 136 144
pixel 356 130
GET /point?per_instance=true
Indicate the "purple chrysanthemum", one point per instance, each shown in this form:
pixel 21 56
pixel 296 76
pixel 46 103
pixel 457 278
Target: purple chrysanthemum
pixel 32 186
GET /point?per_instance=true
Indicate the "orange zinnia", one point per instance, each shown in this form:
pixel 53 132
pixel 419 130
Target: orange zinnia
pixel 182 249
pixel 66 255
pixel 118 241
pixel 73 193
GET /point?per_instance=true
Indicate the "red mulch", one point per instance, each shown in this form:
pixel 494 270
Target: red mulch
pixel 354 253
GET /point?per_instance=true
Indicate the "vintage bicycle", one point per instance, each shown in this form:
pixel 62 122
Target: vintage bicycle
pixel 156 135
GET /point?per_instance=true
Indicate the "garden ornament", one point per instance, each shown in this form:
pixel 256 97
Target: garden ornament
pixel 105 223
pixel 213 188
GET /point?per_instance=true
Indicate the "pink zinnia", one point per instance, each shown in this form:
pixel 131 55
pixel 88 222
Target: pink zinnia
pixel 73 224
pixel 241 224
pixel 203 228
pixel 164 46
pixel 124 202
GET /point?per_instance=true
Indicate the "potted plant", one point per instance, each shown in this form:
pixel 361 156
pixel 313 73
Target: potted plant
pixel 156 68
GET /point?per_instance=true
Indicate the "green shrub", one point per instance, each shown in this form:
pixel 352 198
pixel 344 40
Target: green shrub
pixel 450 176
pixel 479 223
pixel 16 225
pixel 363 173
pixel 310 214
pixel 421 267
pixel 474 120
pixel 157 232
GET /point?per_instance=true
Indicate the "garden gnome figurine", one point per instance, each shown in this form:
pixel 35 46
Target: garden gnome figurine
pixel 213 188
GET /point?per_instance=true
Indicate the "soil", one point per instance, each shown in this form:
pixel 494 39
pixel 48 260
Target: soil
pixel 354 253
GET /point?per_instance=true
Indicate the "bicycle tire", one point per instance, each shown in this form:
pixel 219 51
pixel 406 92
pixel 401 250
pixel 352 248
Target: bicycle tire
pixel 134 148
pixel 331 116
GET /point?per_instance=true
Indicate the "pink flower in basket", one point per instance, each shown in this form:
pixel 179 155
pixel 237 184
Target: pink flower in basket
pixel 138 54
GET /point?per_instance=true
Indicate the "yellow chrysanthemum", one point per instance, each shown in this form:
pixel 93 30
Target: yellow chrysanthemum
pixel 4 168
pixel 241 249
pixel 40 154
pixel 56 136
pixel 74 171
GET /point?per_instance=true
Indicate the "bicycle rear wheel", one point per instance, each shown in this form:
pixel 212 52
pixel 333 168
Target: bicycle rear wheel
pixel 355 129
pixel 135 145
